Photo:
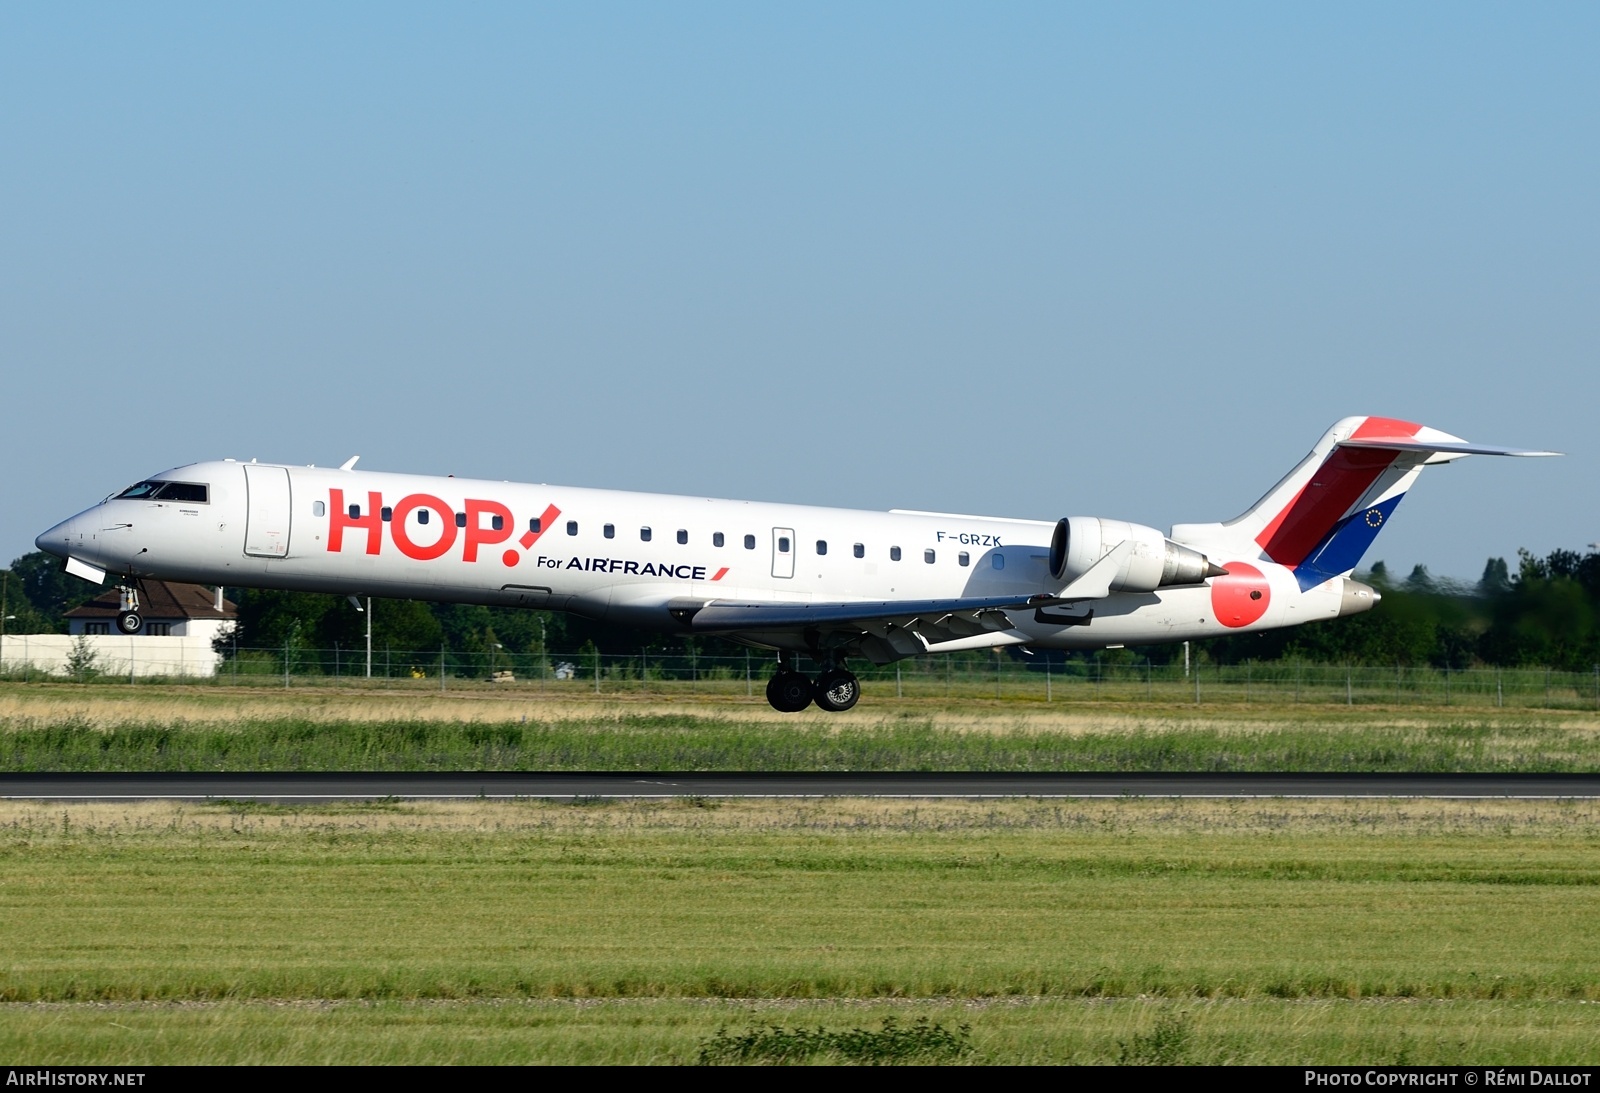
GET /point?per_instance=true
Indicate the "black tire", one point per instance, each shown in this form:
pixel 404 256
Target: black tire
pixel 130 622
pixel 836 690
pixel 789 692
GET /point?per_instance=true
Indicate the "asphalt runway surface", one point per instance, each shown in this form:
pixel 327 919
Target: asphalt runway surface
pixel 359 786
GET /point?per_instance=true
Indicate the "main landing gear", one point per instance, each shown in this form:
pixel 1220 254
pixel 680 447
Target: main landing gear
pixel 835 690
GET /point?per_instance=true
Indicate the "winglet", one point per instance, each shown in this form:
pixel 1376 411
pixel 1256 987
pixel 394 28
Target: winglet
pixel 349 464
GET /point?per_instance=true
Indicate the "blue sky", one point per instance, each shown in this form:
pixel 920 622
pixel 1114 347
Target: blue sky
pixel 1031 260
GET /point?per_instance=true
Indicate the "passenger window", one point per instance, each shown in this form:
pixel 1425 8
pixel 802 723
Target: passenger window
pixel 716 539
pixel 535 525
pixel 783 544
pixel 318 508
pixel 422 516
pixel 644 535
pixel 461 519
pixel 894 554
pixel 572 527
pixel 859 551
pixel 927 556
pixel 997 560
pixel 963 558
pixel 683 536
pixel 749 542
pixel 822 546
pixel 609 531
pixel 387 514
pixel 355 512
pixel 498 523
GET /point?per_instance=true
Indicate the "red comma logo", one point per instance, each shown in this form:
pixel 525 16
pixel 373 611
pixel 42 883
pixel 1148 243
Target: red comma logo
pixel 1241 597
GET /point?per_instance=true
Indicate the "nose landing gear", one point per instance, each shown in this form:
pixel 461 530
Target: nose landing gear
pixel 129 621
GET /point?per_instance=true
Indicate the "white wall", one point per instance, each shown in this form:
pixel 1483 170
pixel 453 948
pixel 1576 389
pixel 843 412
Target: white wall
pixel 203 630
pixel 114 653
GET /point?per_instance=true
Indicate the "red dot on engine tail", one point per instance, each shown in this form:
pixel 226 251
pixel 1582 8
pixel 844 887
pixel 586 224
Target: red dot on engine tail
pixel 1241 597
pixel 510 557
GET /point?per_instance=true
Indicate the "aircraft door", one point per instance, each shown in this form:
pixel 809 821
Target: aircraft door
pixel 783 552
pixel 266 528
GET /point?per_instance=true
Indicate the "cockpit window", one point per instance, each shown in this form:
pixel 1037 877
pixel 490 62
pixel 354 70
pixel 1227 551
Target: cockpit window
pixel 193 492
pixel 141 491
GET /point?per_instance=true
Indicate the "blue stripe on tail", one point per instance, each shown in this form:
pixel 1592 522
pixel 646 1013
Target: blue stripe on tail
pixel 1341 549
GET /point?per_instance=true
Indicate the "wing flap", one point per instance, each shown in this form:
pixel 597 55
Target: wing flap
pixel 979 612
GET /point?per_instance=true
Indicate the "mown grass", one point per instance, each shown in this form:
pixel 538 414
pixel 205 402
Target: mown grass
pixel 673 1031
pixel 791 901
pixel 1104 931
pixel 60 728
pixel 686 742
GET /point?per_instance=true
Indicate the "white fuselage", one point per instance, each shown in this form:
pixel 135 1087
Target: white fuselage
pixel 625 557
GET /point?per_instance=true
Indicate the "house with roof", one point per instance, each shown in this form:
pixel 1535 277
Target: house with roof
pixel 182 623
pixel 170 610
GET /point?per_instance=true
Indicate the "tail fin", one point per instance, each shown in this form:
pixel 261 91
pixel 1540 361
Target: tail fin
pixel 1323 515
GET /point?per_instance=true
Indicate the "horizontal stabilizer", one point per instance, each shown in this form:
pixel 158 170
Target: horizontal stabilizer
pixel 1411 444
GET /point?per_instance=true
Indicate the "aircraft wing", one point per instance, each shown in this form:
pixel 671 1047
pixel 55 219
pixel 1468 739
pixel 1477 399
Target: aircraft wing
pixel 735 615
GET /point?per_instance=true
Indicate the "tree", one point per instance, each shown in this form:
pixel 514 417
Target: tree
pixel 48 590
pixel 1496 579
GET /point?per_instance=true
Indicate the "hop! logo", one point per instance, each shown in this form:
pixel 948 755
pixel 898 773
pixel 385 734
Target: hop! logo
pixel 479 524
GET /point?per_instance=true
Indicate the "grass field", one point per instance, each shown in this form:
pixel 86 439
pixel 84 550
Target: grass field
pixel 63 727
pixel 1267 931
pixel 1020 931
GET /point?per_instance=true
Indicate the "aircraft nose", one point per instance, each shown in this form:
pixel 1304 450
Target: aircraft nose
pixel 56 540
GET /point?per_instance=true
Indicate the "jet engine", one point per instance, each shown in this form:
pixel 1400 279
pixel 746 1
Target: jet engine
pixel 1154 562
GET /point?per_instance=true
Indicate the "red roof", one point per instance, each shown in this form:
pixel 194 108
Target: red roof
pixel 160 600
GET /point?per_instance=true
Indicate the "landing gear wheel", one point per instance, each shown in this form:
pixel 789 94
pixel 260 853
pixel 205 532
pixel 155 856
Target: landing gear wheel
pixel 130 622
pixel 836 690
pixel 789 692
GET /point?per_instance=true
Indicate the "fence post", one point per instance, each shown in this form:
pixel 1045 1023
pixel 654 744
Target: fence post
pixel 1297 668
pixel 441 667
pixel 997 673
pixel 1047 680
pixel 1349 695
pixel 1447 684
pixel 748 689
pixel 1499 689
pixel 597 669
pixel 285 664
pixel 898 692
pixel 1197 684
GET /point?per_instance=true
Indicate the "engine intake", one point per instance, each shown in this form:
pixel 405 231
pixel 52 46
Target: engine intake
pixel 1155 562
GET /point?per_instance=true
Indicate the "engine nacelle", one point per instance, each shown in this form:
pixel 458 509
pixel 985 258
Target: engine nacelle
pixel 1155 562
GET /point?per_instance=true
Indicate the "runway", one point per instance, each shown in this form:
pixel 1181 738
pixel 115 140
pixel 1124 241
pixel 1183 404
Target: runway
pixel 445 785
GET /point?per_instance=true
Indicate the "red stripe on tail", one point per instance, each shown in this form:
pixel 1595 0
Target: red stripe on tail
pixel 1341 480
